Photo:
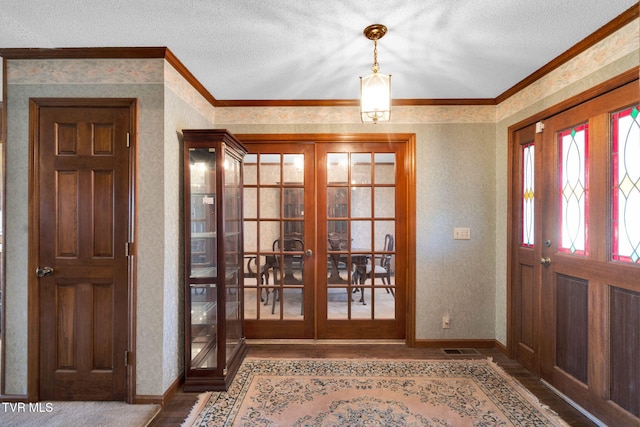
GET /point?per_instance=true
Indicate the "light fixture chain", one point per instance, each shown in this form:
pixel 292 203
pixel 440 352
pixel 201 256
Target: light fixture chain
pixel 375 66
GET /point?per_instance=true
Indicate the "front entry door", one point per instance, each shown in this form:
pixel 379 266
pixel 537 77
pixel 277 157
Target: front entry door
pixel 81 179
pixel 576 259
pixel 326 250
pixel 525 287
pixel 590 248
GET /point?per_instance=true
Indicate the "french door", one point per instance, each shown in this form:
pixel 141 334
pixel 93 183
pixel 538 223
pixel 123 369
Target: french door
pixel 279 212
pixel 577 263
pixel 325 239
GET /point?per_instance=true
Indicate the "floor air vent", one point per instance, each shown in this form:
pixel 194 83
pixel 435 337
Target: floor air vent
pixel 459 351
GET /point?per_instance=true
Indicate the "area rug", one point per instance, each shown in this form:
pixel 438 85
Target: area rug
pixel 67 414
pixel 330 392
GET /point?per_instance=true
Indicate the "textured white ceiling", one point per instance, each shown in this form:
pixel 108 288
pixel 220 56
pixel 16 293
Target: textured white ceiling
pixel 310 49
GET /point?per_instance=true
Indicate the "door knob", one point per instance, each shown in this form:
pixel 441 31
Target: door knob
pixel 546 261
pixel 43 271
pixel 308 252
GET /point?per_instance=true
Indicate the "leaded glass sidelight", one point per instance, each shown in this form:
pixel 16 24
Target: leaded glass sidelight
pixel 626 185
pixel 573 215
pixel 528 157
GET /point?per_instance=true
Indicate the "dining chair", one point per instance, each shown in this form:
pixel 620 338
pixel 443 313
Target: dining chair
pixel 382 264
pixel 292 263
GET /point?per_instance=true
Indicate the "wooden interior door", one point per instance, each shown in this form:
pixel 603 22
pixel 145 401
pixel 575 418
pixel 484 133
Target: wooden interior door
pixel 361 281
pixel 279 230
pixel 589 242
pixel 294 193
pixel 82 188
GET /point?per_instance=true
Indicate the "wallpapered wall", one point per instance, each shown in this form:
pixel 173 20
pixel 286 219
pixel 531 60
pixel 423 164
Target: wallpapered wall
pixel 461 181
pixel 166 104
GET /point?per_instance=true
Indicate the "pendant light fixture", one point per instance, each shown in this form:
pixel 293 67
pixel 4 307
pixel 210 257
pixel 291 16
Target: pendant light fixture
pixel 375 89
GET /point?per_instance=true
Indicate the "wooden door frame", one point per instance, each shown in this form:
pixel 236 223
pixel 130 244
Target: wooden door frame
pixel 513 203
pixel 33 299
pixel 410 197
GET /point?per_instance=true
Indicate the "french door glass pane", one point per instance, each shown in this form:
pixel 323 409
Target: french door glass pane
pixel 250 169
pixel 269 202
pixel 274 249
pixel 360 202
pixel 573 220
pixel 361 229
pixel 269 169
pixel 385 202
pixel 269 232
pixel 293 169
pixel 250 202
pixel 337 171
pixel 360 168
pixel 250 236
pixel 528 194
pixel 626 185
pixel 361 236
pixel 385 168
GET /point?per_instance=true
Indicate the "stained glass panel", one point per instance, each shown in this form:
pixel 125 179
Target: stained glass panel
pixel 573 203
pixel 626 185
pixel 528 158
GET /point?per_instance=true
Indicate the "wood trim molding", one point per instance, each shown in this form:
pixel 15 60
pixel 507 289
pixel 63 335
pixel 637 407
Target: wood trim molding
pixel 287 103
pixel 184 72
pixel 325 137
pixel 84 53
pixel 349 102
pixel 161 399
pixel 411 201
pixel 502 348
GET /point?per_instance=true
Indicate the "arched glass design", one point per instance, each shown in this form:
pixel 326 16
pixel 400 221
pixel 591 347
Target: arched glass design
pixel 625 159
pixel 528 194
pixel 573 169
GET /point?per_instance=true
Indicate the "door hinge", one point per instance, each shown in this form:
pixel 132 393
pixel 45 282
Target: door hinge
pixel 539 127
pixel 128 358
pixel 128 249
pixel 128 139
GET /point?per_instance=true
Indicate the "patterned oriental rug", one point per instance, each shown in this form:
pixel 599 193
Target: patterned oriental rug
pixel 320 392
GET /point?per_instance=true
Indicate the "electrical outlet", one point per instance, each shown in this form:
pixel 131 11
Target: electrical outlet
pixel 461 233
pixel 446 322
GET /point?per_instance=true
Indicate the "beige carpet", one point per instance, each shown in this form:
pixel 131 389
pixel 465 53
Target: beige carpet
pixel 75 414
pixel 319 392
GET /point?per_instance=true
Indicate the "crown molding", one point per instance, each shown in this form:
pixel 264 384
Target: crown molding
pixel 84 53
pixel 348 102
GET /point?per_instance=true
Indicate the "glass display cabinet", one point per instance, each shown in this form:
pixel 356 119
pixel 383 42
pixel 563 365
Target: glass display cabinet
pixel 214 335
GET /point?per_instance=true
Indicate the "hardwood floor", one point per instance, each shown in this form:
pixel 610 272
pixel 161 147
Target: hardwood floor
pixel 178 408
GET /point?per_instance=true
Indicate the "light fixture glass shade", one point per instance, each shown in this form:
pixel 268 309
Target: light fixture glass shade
pixel 375 97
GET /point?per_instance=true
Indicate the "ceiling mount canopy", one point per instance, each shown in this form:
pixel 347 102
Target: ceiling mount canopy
pixel 375 88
